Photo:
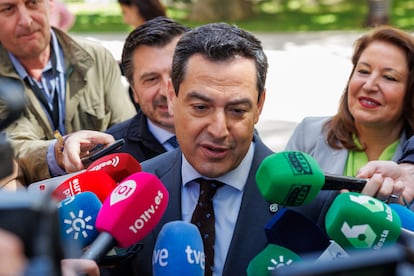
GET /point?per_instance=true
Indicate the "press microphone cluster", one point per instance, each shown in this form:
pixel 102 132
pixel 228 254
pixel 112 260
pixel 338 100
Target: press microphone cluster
pixel 96 206
pixel 291 229
pixel 80 197
pixel 354 222
pixel 294 178
pixel 293 238
pixel 370 231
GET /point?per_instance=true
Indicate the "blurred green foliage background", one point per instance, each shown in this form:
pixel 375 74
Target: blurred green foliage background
pixel 270 15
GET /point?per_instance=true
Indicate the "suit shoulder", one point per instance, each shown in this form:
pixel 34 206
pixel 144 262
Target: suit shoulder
pixel 119 130
pixel 162 163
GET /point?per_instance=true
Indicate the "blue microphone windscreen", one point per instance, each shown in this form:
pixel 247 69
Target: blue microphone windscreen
pixel 405 214
pixel 178 250
pixel 296 232
pixel 77 216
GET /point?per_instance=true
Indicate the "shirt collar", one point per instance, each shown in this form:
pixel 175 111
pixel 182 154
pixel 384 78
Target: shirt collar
pixel 159 133
pixel 58 53
pixel 236 178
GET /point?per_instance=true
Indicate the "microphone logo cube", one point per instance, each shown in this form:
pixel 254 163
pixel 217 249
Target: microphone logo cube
pixel 133 208
pixel 289 178
pixel 360 221
pixel 77 216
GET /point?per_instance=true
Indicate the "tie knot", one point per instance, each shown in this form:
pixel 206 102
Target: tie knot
pixel 208 187
pixel 173 142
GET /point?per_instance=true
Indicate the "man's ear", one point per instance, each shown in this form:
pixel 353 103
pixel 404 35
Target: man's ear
pixel 134 94
pixel 260 105
pixel 171 97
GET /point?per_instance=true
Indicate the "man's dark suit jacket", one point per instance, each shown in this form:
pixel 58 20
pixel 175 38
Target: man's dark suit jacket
pixel 139 141
pixel 249 236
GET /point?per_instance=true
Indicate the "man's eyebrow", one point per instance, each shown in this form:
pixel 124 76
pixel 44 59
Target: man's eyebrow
pixel 200 96
pixel 148 74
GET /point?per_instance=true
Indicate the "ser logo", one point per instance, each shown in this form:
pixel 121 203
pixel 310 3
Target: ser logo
pixel 298 163
pixel 297 195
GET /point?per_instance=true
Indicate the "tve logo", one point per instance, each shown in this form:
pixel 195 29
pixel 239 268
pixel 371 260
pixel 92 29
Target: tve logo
pixel 193 256
pixel 178 250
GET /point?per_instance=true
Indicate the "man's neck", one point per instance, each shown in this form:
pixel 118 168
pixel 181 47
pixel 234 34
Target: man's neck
pixel 34 65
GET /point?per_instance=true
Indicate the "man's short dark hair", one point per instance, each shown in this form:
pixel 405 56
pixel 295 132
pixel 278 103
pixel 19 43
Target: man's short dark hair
pixel 156 32
pixel 219 42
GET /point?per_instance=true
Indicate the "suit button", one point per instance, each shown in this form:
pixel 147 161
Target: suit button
pixel 274 207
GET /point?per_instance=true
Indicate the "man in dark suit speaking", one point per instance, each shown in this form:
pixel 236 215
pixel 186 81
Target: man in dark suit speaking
pixel 216 95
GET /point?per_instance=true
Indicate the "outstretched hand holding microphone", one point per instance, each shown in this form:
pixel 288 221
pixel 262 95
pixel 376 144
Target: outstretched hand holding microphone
pixel 293 178
pixel 395 180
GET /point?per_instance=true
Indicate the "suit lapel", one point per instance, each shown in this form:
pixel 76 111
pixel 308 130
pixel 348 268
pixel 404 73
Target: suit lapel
pixel 249 237
pixel 171 177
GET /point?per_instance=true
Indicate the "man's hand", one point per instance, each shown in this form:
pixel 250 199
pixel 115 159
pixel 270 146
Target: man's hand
pixel 78 144
pixel 75 267
pixel 12 258
pixel 389 181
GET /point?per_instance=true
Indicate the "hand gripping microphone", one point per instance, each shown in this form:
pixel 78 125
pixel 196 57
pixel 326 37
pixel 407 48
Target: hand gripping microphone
pixel 97 182
pixel 299 234
pixel 77 215
pixel 270 259
pixel 178 250
pixel 293 178
pixel 129 213
pixel 117 165
pixel 360 221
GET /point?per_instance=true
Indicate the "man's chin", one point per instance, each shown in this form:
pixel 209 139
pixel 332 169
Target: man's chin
pixel 168 124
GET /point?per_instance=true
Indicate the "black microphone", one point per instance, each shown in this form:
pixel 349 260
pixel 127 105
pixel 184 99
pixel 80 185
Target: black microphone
pixel 298 233
pixel 12 101
pixel 33 218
